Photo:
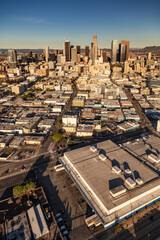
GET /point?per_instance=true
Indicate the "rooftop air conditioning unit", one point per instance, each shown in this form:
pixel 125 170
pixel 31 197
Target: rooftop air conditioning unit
pixel 93 148
pixel 130 182
pixel 102 157
pixel 116 169
pixel 115 192
pixel 154 158
pixel 128 171
pixel 139 181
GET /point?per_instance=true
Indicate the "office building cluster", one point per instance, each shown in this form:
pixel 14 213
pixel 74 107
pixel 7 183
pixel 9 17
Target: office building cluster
pixel 120 54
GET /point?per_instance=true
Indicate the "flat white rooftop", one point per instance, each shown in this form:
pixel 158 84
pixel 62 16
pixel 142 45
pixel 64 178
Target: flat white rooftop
pixel 95 179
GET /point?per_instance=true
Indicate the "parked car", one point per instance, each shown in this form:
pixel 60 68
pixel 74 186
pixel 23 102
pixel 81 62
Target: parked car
pixel 57 215
pixel 59 220
pixel 65 233
pixel 22 168
pixel 62 228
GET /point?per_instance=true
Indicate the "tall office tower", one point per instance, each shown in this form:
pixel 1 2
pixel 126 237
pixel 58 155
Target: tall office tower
pixel 47 53
pixel 122 52
pixel 87 51
pixel 114 51
pixel 104 56
pixel 66 52
pixel 56 52
pixel 12 58
pixel 74 54
pixel 149 55
pixel 126 43
pixel 30 53
pixel 95 49
pixel 91 52
pixel 72 46
pixel 78 49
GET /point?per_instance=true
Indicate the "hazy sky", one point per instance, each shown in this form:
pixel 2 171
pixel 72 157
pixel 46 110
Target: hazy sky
pixel 35 24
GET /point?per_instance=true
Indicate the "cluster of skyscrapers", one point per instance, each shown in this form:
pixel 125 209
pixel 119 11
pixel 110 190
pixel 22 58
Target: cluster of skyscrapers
pixel 121 54
pixel 73 54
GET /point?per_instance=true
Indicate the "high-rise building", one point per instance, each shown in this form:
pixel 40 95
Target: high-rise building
pixel 72 46
pixel 47 53
pixel 74 54
pixel 126 43
pixel 87 51
pixel 56 52
pixel 12 58
pixel 114 51
pixel 95 49
pixel 78 49
pixel 30 53
pixel 104 56
pixel 66 52
pixel 122 52
pixel 149 55
pixel 91 52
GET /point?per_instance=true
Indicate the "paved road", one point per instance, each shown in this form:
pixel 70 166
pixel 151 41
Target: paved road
pixel 144 120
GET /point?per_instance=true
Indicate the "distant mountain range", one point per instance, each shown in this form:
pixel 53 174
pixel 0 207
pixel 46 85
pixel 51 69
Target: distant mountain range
pixel 151 49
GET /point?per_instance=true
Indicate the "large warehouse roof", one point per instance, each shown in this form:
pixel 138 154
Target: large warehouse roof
pixel 112 180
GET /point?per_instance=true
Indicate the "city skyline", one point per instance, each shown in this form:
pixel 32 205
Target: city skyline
pixel 36 25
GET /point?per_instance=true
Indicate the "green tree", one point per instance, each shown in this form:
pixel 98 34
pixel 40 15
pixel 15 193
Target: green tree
pixel 20 189
pixel 118 228
pixel 59 120
pixel 57 137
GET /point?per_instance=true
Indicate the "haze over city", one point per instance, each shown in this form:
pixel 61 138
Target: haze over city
pixel 34 24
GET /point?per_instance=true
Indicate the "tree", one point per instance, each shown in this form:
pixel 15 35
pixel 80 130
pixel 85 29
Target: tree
pixel 59 120
pixel 118 228
pixel 57 137
pixel 20 189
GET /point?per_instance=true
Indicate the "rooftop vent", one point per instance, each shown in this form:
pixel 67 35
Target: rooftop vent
pixel 130 182
pixel 154 158
pixel 115 192
pixel 102 157
pixel 93 148
pixel 116 169
pixel 139 181
pixel 128 171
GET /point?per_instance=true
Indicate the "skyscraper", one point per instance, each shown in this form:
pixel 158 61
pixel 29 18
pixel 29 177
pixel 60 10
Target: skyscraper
pixel 91 52
pixel 47 53
pixel 78 49
pixel 12 58
pixel 87 51
pixel 66 52
pixel 114 51
pixel 122 52
pixel 74 54
pixel 126 43
pixel 95 49
pixel 104 56
pixel 30 53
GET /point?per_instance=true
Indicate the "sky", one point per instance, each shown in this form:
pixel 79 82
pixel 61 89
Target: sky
pixel 37 23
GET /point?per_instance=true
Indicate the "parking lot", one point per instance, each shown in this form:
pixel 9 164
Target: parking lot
pixel 66 199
